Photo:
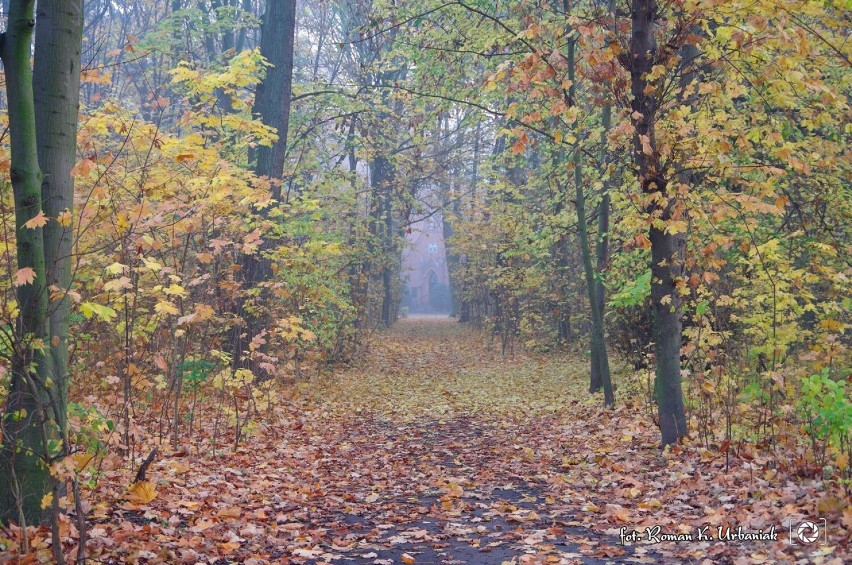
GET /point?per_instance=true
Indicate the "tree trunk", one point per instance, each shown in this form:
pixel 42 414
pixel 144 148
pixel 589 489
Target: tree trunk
pixel 601 248
pixel 599 352
pixel 599 375
pixel 381 180
pixel 56 91
pixel 272 105
pixel 27 418
pixel 666 248
pixel 274 93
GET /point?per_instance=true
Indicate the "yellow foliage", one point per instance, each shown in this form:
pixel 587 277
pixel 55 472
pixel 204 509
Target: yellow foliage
pixel 142 492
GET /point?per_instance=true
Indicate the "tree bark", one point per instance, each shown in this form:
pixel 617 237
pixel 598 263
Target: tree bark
pixel 272 106
pixel 382 176
pixel 24 473
pixel 272 102
pixel 666 248
pixel 602 248
pixel 56 91
pixel 602 244
pixel 598 340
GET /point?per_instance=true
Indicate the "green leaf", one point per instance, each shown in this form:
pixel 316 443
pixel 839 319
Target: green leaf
pixel 90 309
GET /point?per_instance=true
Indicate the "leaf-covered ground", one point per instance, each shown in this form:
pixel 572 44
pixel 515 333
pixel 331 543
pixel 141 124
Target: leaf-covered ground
pixel 434 448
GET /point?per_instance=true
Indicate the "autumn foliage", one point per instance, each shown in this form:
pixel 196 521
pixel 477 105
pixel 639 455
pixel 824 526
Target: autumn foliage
pixel 283 405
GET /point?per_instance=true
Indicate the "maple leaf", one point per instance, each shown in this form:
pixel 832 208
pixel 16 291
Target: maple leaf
pixel 24 276
pixel 37 221
pixel 641 240
pixel 141 492
pixel 115 268
pixel 105 313
pixel 83 168
pixel 166 307
pixel 64 219
pixel 119 284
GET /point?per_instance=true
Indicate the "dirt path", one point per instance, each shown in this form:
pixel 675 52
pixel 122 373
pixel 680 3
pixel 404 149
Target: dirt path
pixel 434 448
pixel 434 462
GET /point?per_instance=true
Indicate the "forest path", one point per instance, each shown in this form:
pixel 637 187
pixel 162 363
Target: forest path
pixel 449 456
pixel 432 447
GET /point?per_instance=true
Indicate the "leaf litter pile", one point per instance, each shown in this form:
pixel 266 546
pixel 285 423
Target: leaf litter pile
pixel 435 448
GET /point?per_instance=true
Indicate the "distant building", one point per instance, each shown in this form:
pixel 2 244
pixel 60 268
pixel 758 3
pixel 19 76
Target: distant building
pixel 426 282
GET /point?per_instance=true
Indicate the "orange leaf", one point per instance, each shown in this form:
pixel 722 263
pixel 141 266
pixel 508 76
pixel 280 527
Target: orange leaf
pixel 230 512
pixel 620 514
pixel 83 168
pixel 642 241
pixel 38 221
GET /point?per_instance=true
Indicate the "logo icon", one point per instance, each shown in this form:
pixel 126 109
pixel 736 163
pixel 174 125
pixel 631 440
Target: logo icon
pixel 809 532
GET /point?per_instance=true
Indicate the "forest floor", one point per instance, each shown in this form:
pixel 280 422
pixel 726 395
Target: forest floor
pixel 435 448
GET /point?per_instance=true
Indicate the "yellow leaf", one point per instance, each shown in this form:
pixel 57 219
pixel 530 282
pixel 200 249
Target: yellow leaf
pixel 151 264
pixel 830 324
pixel 203 312
pixel 64 218
pixel 406 558
pixel 117 285
pixel 142 492
pixel 116 268
pixel 165 307
pixel 82 459
pixel 46 500
pixel 175 290
pixel 204 257
pixel 829 504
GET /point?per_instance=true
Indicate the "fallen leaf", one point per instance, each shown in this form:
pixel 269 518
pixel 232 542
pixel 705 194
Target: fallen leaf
pixel 141 492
